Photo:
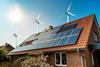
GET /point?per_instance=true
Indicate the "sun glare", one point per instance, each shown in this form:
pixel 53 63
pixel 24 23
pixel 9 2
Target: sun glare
pixel 15 14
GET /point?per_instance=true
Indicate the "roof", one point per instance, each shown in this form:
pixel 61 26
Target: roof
pixel 8 46
pixel 72 35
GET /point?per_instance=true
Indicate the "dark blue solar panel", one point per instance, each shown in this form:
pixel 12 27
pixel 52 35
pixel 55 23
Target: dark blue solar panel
pixel 59 35
pixel 56 29
pixel 35 45
pixel 72 39
pixel 55 43
pixel 76 31
pixel 69 27
pixel 49 43
pixel 63 41
pixel 67 33
pixel 42 45
pixel 51 36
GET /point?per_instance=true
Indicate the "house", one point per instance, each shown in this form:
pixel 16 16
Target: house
pixel 7 47
pixel 73 44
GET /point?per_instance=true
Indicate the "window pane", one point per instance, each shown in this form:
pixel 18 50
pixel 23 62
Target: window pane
pixel 63 58
pixel 57 58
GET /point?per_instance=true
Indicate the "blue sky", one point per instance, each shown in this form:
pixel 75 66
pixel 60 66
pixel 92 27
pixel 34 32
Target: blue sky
pixel 52 13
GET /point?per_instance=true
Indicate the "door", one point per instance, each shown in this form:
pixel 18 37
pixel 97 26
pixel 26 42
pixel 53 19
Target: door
pixel 96 56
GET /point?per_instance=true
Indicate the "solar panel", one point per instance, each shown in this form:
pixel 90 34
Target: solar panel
pixel 72 39
pixel 59 35
pixel 52 36
pixel 22 48
pixel 68 27
pixel 45 33
pixel 56 29
pixel 62 38
pixel 50 43
pixel 77 31
pixel 67 33
pixel 63 41
pixel 41 45
pixel 55 43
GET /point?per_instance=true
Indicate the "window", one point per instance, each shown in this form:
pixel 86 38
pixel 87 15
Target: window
pixel 92 59
pixel 60 59
pixel 95 37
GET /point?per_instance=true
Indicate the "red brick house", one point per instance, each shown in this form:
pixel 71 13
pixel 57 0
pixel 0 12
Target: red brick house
pixel 73 44
pixel 7 47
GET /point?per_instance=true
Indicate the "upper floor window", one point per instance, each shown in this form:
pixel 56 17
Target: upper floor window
pixel 95 37
pixel 60 59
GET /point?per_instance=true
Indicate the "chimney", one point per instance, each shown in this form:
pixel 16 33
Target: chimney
pixel 50 28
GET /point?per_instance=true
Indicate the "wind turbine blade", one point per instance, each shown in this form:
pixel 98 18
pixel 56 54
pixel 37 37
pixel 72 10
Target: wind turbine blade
pixel 71 14
pixel 41 22
pixel 69 7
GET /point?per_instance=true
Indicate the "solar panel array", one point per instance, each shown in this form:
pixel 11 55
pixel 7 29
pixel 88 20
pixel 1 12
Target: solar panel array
pixel 53 39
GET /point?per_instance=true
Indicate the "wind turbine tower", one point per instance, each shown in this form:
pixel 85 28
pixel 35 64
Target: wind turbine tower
pixel 15 35
pixel 38 22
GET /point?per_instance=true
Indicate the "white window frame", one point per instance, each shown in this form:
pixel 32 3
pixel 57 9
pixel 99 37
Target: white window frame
pixel 92 59
pixel 60 59
pixel 82 61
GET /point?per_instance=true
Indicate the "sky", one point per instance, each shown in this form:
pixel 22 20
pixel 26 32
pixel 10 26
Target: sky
pixel 18 16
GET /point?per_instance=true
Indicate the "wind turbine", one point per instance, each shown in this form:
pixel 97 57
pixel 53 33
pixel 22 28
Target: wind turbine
pixel 69 13
pixel 15 35
pixel 37 21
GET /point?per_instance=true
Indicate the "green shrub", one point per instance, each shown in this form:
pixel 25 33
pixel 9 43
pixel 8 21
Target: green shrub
pixel 2 55
pixel 33 61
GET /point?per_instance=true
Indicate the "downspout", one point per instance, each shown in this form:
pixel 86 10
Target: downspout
pixel 82 62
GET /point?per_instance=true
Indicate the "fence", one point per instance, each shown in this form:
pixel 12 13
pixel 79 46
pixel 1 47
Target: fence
pixel 9 64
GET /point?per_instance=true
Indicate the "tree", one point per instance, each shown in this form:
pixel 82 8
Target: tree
pixel 2 55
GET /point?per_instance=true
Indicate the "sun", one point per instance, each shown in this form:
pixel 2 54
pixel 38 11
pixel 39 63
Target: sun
pixel 15 14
